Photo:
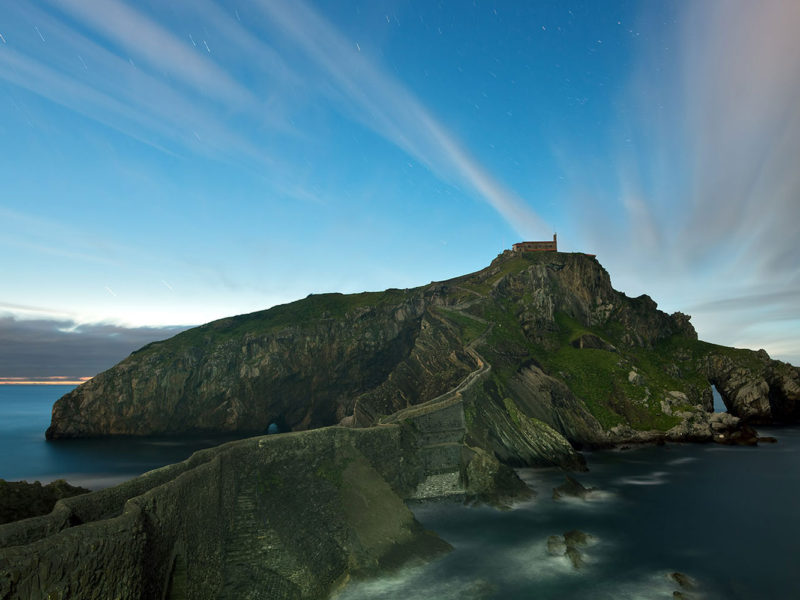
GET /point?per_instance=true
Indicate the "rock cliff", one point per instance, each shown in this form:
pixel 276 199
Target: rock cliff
pixel 281 516
pixel 550 352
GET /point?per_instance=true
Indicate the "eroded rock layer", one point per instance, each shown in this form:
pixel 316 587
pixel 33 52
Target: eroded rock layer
pixel 284 516
pixel 544 341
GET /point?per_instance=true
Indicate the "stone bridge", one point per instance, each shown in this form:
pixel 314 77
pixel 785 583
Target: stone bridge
pixel 281 516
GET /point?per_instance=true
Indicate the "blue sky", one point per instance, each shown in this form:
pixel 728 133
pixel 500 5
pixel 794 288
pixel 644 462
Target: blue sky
pixel 172 163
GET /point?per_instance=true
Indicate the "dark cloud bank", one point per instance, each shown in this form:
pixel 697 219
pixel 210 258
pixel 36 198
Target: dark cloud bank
pixel 46 348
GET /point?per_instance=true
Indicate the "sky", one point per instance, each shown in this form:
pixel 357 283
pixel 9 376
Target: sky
pixel 164 164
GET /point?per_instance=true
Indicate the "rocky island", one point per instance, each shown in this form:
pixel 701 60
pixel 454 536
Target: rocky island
pixel 390 396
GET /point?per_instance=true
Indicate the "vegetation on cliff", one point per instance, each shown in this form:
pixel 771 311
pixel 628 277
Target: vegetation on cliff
pixel 441 390
pixel 553 340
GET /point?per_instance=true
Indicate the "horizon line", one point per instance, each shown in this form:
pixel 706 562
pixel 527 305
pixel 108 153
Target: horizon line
pixel 54 380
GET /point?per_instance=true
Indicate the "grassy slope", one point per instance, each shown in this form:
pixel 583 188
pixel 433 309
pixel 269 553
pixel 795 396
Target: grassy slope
pixel 311 309
pixel 598 377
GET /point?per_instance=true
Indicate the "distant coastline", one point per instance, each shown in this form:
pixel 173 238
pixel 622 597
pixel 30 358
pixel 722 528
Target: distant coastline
pixel 56 380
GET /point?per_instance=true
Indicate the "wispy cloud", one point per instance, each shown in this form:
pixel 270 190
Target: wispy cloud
pixel 742 104
pixel 141 100
pixel 219 96
pixel 756 301
pixel 387 107
pixel 38 348
pixel 702 192
pixel 151 43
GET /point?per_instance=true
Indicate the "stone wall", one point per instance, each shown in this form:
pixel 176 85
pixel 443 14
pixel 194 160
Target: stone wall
pixel 289 516
pixel 282 516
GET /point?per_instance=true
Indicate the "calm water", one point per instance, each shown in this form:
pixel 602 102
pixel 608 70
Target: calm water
pixel 24 453
pixel 725 516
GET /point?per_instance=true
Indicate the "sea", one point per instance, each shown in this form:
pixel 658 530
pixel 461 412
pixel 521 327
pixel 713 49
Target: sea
pixel 94 464
pixel 726 517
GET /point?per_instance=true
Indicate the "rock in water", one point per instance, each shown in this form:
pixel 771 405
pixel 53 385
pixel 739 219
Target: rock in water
pixel 685 583
pixel 577 538
pixel 570 545
pixel 575 557
pixel 571 488
pixel 556 545
pixel 683 580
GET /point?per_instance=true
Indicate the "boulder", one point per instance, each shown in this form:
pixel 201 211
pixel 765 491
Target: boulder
pixel 489 481
pixel 569 545
pixel 575 556
pixel 723 421
pixel 695 428
pixel 571 488
pixel 635 378
pixel 556 546
pixel 577 538
pixel 743 435
pixel 683 580
pixel 685 583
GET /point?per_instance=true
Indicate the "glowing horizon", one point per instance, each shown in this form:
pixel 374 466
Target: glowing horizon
pixel 52 380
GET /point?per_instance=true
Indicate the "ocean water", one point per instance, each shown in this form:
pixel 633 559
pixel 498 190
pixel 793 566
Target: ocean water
pixel 725 516
pixel 94 464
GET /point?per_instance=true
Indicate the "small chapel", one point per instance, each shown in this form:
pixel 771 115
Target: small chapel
pixel 536 246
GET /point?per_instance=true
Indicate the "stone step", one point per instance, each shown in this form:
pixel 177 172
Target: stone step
pixel 439 485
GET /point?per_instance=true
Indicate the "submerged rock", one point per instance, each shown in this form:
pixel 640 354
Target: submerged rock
pixel 556 546
pixel 683 580
pixel 571 488
pixel 575 556
pixel 479 590
pixel 570 545
pixel 577 538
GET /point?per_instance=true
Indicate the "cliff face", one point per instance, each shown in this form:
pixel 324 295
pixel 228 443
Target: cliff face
pixel 284 516
pixel 545 336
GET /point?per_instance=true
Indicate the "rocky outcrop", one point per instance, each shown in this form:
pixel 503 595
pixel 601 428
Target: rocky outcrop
pixel 570 545
pixel 589 340
pixel 280 516
pixel 22 500
pixel 553 357
pixel 488 481
pixel 243 373
pixel 550 401
pixel 755 388
pixel 571 488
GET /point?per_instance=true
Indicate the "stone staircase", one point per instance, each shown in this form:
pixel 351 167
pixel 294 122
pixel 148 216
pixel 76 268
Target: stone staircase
pixel 439 426
pixel 247 554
